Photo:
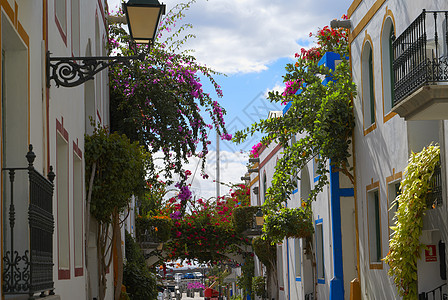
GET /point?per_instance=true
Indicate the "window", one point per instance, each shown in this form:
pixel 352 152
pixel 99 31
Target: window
pixel 280 266
pixel 393 191
pixel 265 187
pixel 374 222
pixel 62 204
pixel 320 266
pixel 75 27
pixel 368 93
pixel 305 184
pixel 298 258
pixel 60 11
pixel 387 65
pixel 78 205
pixel 371 94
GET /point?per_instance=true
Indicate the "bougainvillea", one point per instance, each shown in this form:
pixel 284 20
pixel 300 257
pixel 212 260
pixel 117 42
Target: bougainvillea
pixel 255 150
pixel 159 101
pixel 204 231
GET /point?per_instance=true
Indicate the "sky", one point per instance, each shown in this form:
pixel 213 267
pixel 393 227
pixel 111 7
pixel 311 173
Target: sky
pixel 250 41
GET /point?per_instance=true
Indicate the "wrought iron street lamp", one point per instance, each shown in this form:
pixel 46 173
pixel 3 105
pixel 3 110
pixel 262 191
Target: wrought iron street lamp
pixel 142 16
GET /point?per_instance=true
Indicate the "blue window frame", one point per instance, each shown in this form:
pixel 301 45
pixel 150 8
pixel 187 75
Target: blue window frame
pixel 319 239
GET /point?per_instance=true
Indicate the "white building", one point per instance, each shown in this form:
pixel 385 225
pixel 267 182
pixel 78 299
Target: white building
pixel 384 139
pixel 333 213
pixel 54 120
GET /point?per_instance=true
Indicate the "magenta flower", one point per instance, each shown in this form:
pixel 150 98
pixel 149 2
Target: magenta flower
pixel 227 137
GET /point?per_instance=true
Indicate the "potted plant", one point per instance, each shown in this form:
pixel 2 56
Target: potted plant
pixel 288 223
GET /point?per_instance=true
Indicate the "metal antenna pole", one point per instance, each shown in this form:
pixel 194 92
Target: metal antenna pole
pixel 217 166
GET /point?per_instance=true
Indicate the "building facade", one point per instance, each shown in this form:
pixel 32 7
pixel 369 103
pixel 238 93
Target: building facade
pixel 398 55
pixel 54 120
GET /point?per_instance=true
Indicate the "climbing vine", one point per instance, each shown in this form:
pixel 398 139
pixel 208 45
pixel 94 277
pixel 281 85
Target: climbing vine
pixel 321 114
pixel 405 246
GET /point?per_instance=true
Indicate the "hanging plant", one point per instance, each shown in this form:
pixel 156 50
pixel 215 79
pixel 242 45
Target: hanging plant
pixel 259 286
pixel 158 227
pixel 288 223
pixel 265 250
pixel 405 246
pixel 244 217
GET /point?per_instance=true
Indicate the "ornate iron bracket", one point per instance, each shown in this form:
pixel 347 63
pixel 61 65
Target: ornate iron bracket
pixel 74 71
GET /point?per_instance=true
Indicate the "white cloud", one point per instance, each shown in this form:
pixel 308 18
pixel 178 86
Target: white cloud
pixel 241 36
pixel 232 166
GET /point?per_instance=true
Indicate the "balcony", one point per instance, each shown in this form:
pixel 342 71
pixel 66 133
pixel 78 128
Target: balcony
pixel 420 68
pixel 248 220
pixel 152 232
pixel 28 254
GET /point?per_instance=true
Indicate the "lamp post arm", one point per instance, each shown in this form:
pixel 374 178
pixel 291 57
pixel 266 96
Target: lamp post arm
pixel 74 71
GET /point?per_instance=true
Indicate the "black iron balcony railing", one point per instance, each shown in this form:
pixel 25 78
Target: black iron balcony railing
pixel 148 238
pixel 309 296
pixel 419 57
pixel 30 271
pixel 434 197
pixel 439 293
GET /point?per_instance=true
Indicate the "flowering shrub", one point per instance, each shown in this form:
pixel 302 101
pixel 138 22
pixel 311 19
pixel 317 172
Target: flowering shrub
pixel 195 285
pixel 291 87
pixel 158 101
pixel 205 231
pixel 255 150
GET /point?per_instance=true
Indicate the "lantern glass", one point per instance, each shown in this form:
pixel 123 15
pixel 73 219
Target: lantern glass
pixel 143 19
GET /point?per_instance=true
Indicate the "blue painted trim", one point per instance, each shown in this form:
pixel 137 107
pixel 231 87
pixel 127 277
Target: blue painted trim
pixel 316 178
pixel 298 279
pixel 287 265
pixel 288 105
pixel 295 191
pixel 347 192
pixel 319 221
pixel 337 282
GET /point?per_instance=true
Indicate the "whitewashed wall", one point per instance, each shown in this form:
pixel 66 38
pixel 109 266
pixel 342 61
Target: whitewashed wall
pixel 382 152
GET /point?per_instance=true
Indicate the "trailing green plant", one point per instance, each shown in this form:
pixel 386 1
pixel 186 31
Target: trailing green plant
pixel 244 217
pixel 119 169
pixel 140 282
pixel 405 246
pixel 265 250
pixel 259 286
pixel 158 226
pixel 244 281
pixel 288 223
pixel 236 297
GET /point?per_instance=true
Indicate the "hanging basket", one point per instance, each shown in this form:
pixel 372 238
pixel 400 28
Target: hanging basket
pixel 288 223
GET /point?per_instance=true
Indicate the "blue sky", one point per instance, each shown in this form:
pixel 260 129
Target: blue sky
pixel 250 41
